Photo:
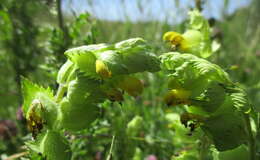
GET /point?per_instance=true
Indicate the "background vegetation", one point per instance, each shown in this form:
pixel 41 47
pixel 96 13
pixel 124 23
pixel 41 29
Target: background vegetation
pixel 34 35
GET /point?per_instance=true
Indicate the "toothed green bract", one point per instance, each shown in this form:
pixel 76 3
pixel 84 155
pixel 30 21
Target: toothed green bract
pixel 32 92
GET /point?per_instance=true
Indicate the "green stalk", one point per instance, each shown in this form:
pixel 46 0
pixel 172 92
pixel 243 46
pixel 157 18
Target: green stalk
pixel 60 93
pixel 111 149
pixel 251 139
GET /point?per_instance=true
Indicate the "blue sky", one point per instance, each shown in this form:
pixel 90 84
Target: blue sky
pixel 173 11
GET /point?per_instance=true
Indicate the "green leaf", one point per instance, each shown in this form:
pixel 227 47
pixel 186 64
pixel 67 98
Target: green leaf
pixel 213 98
pixel 183 65
pixel 113 60
pixel 137 56
pixel 85 89
pixel 89 48
pixel 129 44
pixel 240 152
pixel 129 56
pixel 32 92
pixel 52 145
pixel 140 61
pixel 76 116
pixel 79 109
pixel 226 127
pixel 85 60
pixel 240 100
pixel 199 23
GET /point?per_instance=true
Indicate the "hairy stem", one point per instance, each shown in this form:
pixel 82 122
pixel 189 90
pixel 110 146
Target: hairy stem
pixel 251 139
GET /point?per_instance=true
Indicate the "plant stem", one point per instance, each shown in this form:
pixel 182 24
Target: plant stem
pixel 60 16
pixel 251 139
pixel 111 148
pixel 17 155
pixel 60 93
pixel 61 21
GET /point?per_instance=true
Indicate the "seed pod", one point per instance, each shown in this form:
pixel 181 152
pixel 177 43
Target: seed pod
pixel 114 94
pixel 35 118
pixel 131 85
pixel 176 97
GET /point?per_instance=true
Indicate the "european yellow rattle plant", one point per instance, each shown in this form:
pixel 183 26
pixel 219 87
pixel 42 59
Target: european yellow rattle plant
pixel 92 74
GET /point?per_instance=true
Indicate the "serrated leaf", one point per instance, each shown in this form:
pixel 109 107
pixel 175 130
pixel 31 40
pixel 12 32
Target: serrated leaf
pixel 196 20
pixel 137 56
pixel 77 115
pixel 129 44
pixel 33 92
pixel 140 62
pixel 54 146
pixel 85 89
pixel 186 64
pixel 85 60
pixel 214 97
pixel 113 60
pixel 90 48
pixel 129 56
pixel 199 23
pixel 79 109
pixel 226 127
pixel 240 100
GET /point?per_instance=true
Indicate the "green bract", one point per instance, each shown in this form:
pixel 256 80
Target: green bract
pixel 130 56
pixel 226 127
pixel 217 98
pixel 76 116
pixel 41 101
pixel 240 152
pixel 51 145
pixel 199 23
